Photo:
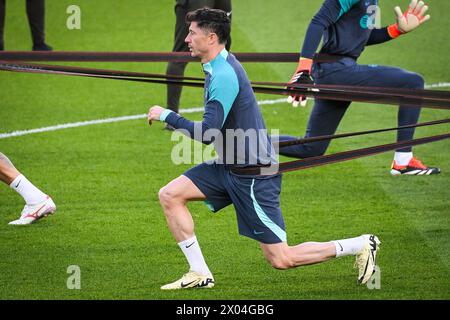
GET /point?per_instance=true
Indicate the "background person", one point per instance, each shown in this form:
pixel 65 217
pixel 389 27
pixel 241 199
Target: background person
pixel 36 19
pixel 347 28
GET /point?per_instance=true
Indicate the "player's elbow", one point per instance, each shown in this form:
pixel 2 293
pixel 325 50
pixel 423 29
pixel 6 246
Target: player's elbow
pixel 211 133
pixel 207 142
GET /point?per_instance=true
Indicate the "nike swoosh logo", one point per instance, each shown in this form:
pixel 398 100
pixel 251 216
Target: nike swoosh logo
pixel 373 243
pixel 184 285
pixel 34 214
pixel 256 232
pixel 187 247
pixel 342 249
pixel 18 184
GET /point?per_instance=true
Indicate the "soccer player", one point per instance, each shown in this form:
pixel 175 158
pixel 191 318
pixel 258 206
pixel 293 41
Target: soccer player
pixel 182 7
pixel 347 27
pixel 230 105
pixel 36 20
pixel 38 204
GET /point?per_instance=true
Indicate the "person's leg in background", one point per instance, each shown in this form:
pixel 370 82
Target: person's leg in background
pixel 2 23
pixel 393 77
pixel 181 32
pixel 324 120
pixel 36 19
pixel 177 68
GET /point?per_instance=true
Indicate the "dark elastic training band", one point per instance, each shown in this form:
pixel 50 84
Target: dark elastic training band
pixel 137 56
pixel 413 98
pixel 424 98
pixel 334 158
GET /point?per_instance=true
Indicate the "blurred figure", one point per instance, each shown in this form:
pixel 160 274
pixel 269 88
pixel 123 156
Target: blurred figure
pixel 36 19
pixel 38 204
pixel 182 7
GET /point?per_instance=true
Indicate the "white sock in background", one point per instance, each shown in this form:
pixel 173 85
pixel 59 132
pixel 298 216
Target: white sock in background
pixel 403 158
pixel 349 247
pixel 194 256
pixel 27 190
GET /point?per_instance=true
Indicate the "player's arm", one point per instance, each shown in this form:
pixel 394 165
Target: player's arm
pixel 413 17
pixel 378 36
pixel 223 91
pixel 330 12
pixel 213 118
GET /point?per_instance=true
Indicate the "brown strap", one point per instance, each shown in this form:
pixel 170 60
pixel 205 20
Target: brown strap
pixel 413 98
pixel 137 56
pixel 334 158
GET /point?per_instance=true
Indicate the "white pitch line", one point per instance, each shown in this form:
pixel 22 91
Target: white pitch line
pixel 438 85
pixel 107 120
pixel 142 116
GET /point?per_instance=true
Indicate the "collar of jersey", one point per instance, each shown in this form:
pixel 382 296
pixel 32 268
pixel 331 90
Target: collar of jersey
pixel 208 67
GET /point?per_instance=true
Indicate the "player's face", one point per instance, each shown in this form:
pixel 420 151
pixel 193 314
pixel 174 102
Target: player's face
pixel 197 41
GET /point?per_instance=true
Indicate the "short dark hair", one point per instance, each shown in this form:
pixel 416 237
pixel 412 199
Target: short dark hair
pixel 212 20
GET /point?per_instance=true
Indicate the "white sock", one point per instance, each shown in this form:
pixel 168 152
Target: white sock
pixel 349 247
pixel 27 190
pixel 194 256
pixel 403 158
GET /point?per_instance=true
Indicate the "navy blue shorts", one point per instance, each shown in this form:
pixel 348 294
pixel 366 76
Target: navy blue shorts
pixel 256 200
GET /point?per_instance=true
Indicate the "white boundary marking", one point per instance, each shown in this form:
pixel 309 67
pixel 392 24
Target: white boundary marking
pixel 142 116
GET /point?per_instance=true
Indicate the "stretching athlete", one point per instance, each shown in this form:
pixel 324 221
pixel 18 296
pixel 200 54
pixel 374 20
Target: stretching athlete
pixel 347 27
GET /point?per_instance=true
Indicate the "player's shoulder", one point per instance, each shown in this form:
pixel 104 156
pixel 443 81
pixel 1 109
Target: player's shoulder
pixel 224 70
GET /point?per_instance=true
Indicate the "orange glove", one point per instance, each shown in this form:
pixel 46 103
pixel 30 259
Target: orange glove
pixel 303 76
pixel 410 20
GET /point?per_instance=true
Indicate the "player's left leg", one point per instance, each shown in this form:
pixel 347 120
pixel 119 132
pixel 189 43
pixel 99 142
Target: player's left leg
pixel 257 203
pixel 365 247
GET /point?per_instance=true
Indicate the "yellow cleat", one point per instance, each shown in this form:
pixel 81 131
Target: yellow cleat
pixel 191 279
pixel 366 258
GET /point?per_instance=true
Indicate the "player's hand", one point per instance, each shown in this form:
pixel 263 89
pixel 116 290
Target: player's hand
pixel 410 20
pixel 154 113
pixel 301 76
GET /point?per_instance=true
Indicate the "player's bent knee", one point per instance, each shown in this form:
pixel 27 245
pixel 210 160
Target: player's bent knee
pixel 416 81
pixel 280 263
pixel 169 197
pixel 317 150
pixel 165 196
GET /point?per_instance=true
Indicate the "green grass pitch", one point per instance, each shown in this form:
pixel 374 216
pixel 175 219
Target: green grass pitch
pixel 105 178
